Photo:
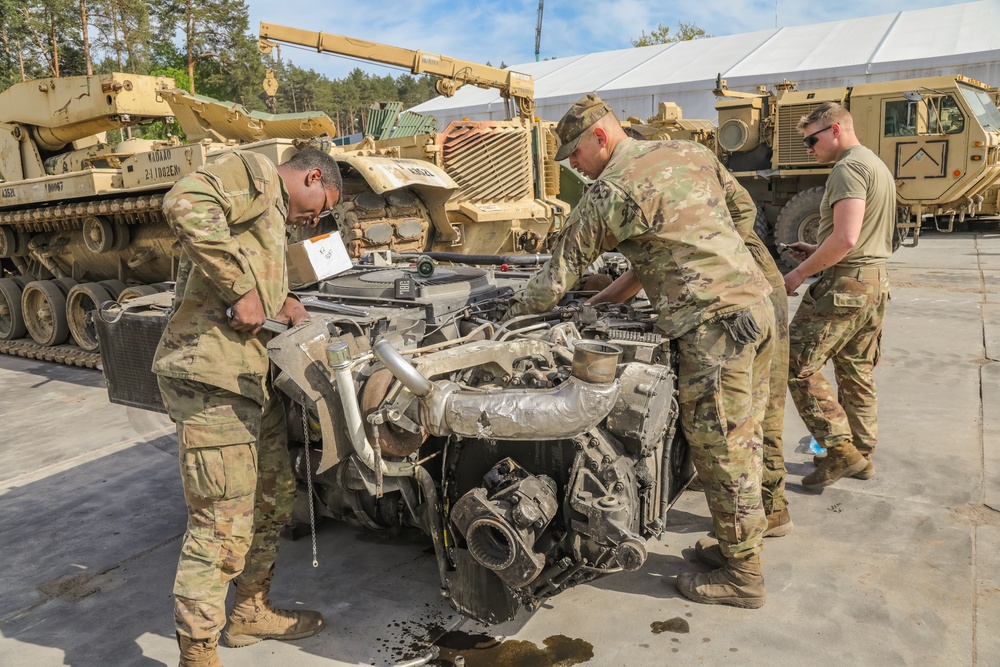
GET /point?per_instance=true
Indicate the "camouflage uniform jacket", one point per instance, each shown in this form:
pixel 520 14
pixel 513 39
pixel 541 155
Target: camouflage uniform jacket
pixel 667 206
pixel 229 218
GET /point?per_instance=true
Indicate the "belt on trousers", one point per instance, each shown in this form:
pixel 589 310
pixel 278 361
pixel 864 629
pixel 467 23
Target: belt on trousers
pixel 875 272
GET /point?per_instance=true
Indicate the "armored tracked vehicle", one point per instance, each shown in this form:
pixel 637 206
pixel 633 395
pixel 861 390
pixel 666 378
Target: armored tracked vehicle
pixel 535 454
pixel 80 219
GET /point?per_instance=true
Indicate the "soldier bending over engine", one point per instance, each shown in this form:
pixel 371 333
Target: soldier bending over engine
pixel 663 204
pixel 230 219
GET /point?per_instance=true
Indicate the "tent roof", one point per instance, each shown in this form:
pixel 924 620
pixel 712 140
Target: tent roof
pixel 957 39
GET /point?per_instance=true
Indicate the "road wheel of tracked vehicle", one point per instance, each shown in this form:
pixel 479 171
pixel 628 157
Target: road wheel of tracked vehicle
pixel 65 284
pixel 122 236
pixel 21 281
pixel 98 234
pixel 13 243
pixel 799 220
pixel 11 318
pixel 82 299
pixel 112 287
pixel 44 307
pixel 130 293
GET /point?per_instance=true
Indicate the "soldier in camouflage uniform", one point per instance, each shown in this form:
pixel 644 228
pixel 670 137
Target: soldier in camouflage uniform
pixel 774 388
pixel 230 220
pixel 664 206
pixel 840 317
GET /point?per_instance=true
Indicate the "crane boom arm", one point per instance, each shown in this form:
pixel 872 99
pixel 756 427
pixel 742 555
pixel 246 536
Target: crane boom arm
pixel 453 73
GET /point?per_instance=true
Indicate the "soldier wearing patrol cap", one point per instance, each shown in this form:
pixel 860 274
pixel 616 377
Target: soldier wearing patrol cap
pixel 230 219
pixel 666 205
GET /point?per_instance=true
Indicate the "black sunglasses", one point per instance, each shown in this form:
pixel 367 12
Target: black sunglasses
pixel 811 140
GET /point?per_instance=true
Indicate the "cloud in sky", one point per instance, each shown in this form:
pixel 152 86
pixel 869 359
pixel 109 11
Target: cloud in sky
pixel 504 31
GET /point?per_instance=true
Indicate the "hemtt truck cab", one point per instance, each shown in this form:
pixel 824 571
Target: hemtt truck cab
pixel 940 137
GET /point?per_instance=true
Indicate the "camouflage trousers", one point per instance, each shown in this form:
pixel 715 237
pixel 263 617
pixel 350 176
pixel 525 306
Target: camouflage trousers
pixel 840 318
pixel 773 424
pixel 239 490
pixel 723 389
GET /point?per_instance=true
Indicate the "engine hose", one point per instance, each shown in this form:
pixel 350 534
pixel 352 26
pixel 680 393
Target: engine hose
pixel 366 453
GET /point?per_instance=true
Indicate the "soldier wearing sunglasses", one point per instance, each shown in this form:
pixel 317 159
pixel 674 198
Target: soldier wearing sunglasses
pixel 840 317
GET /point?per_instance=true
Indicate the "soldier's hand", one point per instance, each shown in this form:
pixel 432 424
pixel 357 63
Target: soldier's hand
pixel 248 313
pixel 293 312
pixel 801 250
pixel 792 281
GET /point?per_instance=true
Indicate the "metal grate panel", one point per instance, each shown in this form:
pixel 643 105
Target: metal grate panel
pixel 490 162
pixel 127 348
pixel 381 118
pixel 791 150
pixel 412 124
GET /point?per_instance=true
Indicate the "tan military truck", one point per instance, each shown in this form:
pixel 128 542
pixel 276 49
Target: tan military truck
pixel 940 137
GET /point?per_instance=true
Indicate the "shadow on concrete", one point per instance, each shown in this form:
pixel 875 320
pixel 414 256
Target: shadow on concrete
pixel 77 554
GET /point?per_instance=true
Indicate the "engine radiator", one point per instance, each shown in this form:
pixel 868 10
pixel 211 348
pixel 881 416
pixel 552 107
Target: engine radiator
pixel 127 347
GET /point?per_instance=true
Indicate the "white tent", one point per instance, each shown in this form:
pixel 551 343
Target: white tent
pixel 958 39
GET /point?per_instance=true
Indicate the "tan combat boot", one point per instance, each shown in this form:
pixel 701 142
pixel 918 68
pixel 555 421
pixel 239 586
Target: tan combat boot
pixel 708 551
pixel 779 524
pixel 867 473
pixel 198 652
pixel 843 460
pixel 254 618
pixel 739 584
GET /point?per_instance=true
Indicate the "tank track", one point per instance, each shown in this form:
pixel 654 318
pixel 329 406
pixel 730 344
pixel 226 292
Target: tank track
pixel 141 209
pixel 70 355
pixel 125 211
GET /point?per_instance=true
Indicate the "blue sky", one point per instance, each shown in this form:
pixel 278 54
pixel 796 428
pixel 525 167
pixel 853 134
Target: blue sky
pixel 504 30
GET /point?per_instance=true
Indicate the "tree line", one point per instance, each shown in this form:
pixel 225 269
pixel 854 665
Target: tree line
pixel 204 45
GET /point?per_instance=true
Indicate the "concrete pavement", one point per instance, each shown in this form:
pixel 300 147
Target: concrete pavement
pixel 903 569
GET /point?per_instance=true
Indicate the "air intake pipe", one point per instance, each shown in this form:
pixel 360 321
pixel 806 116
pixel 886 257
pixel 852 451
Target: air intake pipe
pixel 573 407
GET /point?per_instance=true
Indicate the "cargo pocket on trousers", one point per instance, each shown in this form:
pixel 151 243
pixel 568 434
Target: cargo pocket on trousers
pixel 220 473
pixel 842 300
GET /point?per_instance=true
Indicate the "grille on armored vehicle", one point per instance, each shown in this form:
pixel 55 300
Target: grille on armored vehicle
pixel 491 162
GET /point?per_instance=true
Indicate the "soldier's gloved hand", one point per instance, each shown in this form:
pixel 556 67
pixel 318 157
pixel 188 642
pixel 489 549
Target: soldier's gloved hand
pixel 516 308
pixel 292 312
pixel 248 313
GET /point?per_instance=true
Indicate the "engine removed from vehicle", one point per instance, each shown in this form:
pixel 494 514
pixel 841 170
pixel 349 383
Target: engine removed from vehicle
pixel 537 453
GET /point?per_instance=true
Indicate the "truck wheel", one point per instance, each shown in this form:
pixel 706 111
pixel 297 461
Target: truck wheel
pixel 760 225
pixel 11 319
pixel 799 220
pixel 44 309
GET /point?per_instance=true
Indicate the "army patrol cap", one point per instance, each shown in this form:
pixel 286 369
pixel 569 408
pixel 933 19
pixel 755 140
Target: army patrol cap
pixel 581 116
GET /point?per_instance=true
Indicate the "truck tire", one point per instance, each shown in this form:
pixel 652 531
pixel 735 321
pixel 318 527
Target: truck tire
pixel 799 220
pixel 760 225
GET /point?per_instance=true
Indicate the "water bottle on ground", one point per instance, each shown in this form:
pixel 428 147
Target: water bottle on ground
pixel 811 447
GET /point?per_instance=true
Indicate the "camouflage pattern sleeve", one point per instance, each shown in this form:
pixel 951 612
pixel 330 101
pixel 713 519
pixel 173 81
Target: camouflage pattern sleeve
pixel 741 206
pixel 592 228
pixel 198 215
